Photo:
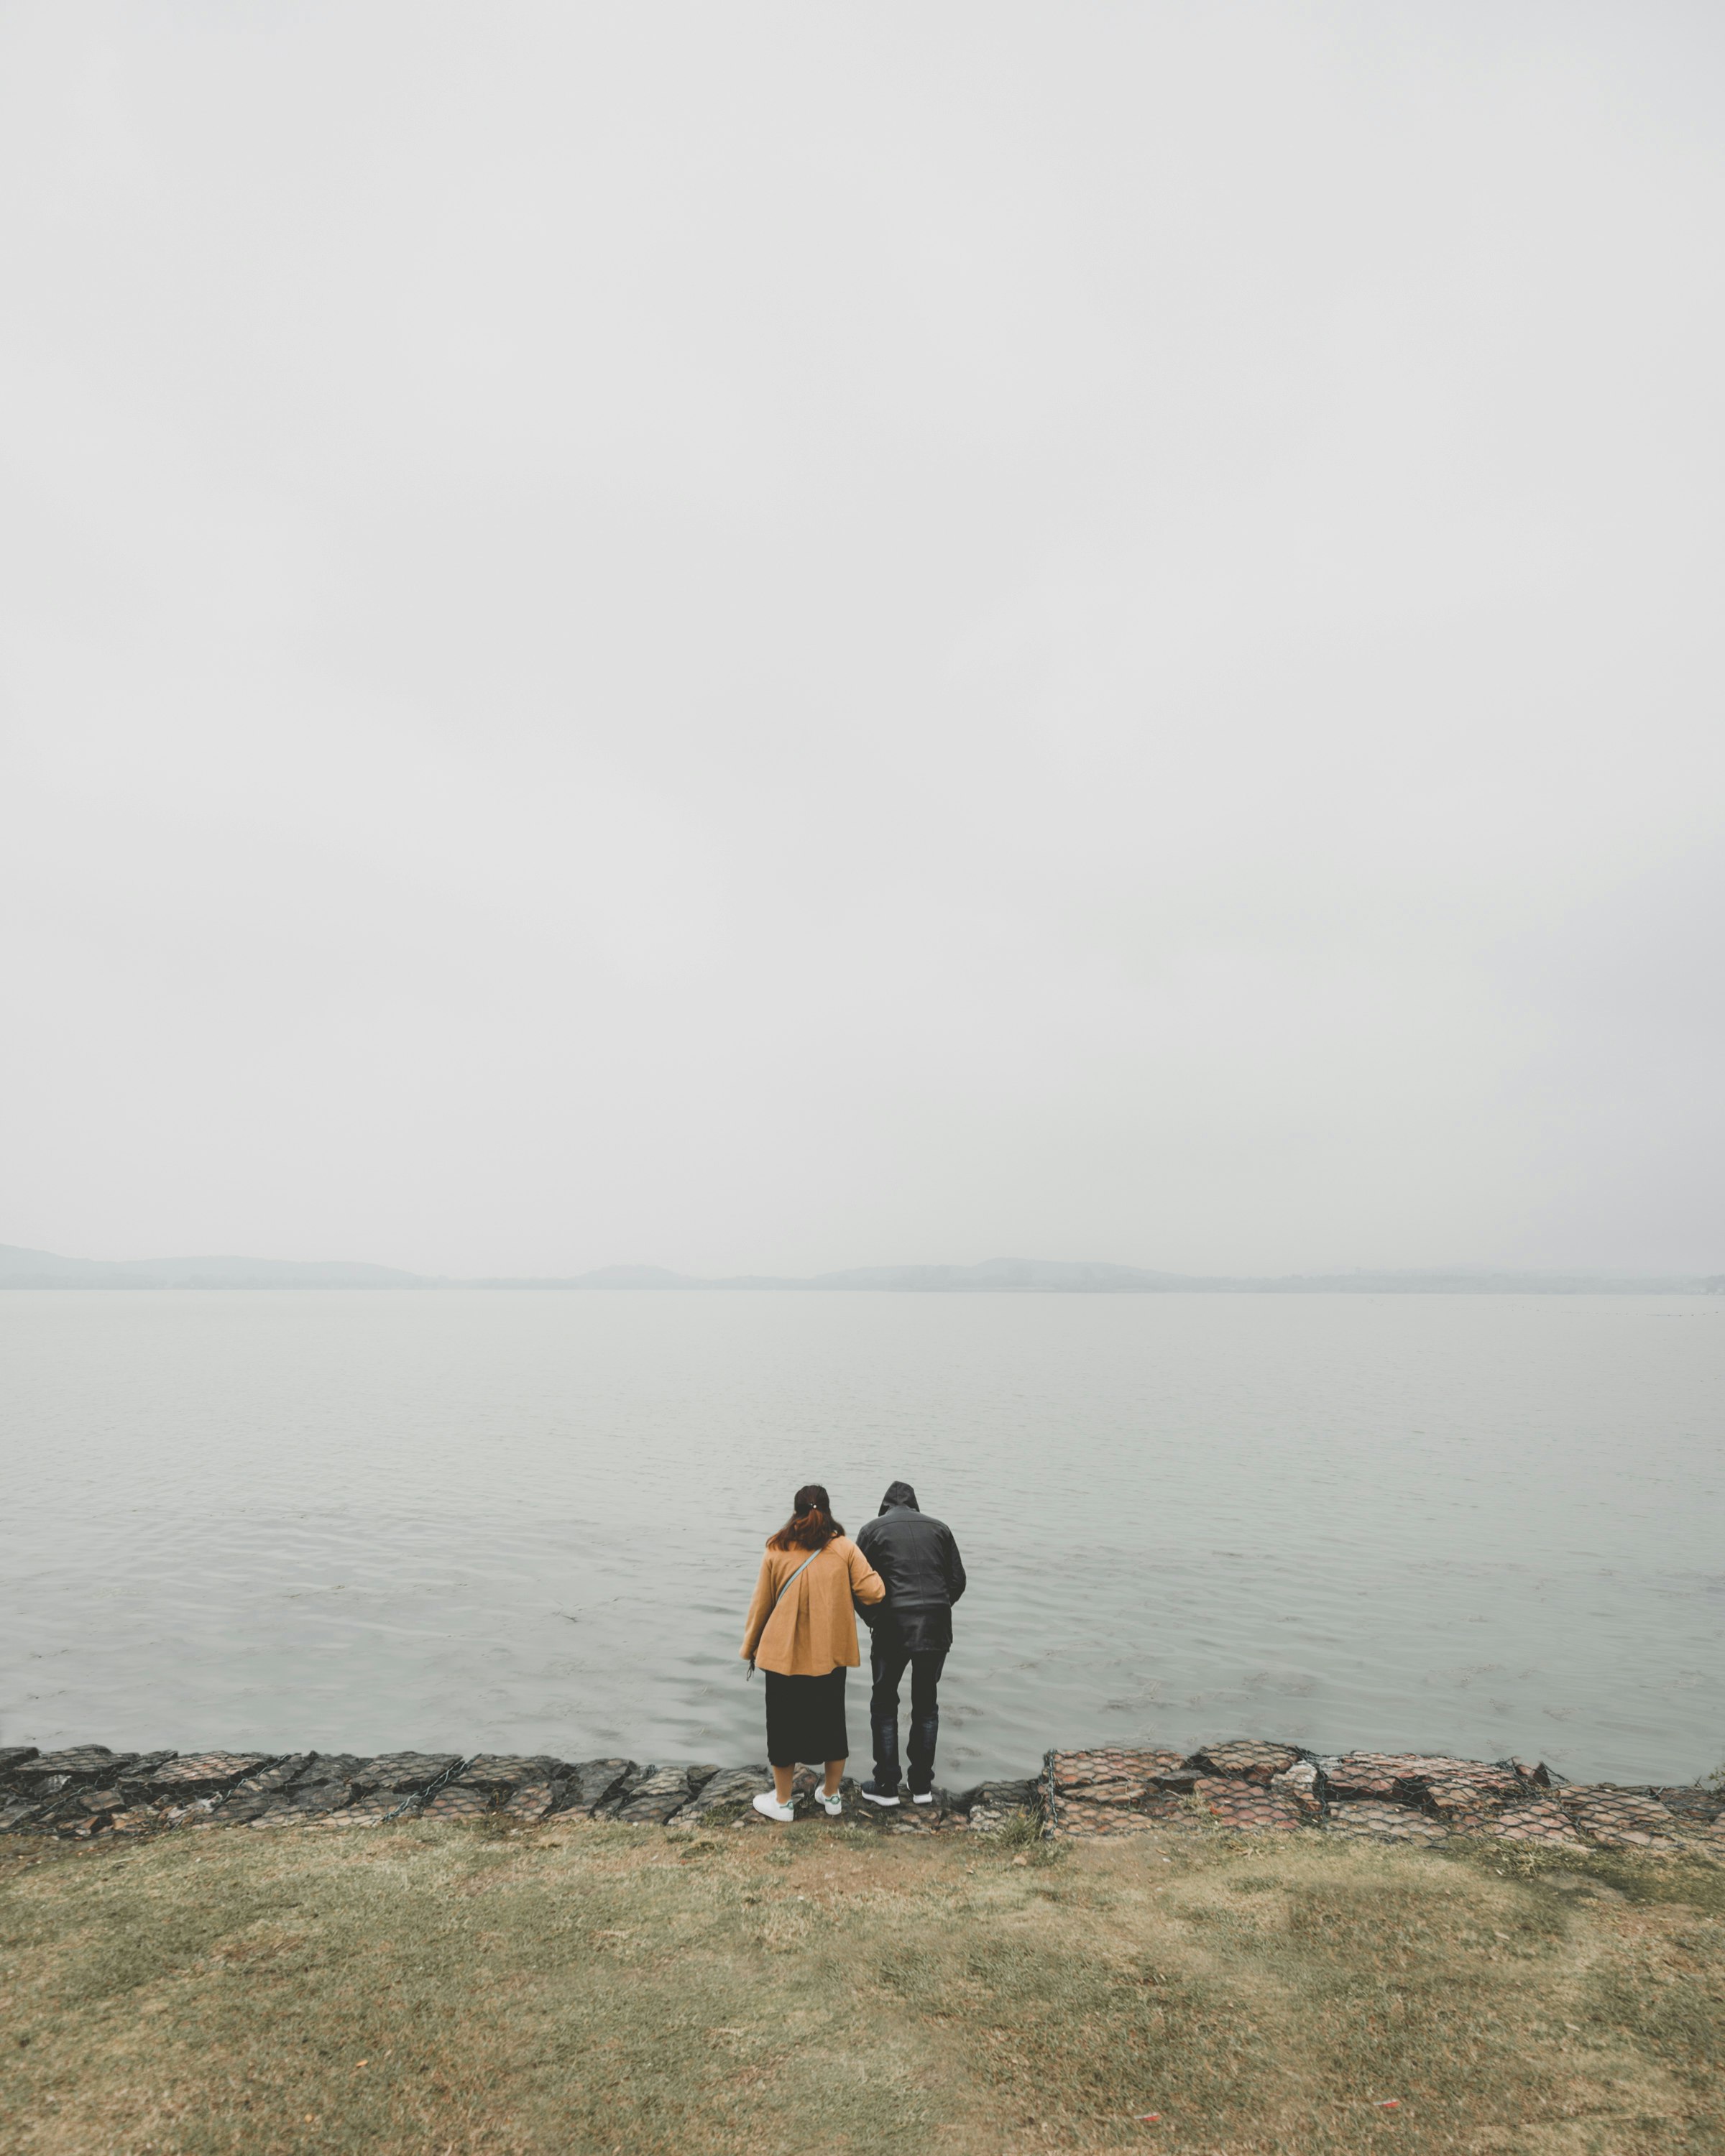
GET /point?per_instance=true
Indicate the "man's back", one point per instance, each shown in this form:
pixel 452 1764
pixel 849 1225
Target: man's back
pixel 918 1560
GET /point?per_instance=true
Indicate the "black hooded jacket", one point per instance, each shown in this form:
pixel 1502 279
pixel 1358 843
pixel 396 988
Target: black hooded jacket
pixel 918 1559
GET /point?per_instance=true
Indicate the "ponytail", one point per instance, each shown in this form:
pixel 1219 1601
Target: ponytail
pixel 811 1525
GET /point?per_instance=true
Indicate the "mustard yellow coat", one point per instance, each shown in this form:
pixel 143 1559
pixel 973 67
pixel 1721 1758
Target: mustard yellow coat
pixel 814 1628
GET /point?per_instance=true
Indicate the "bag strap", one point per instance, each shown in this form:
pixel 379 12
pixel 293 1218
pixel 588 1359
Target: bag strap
pixel 780 1596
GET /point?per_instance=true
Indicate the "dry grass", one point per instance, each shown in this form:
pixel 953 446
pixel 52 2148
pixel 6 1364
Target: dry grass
pixel 581 1989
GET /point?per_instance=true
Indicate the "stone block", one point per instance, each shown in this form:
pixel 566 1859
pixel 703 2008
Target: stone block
pixel 508 1770
pixel 199 1812
pixel 1692 1804
pixel 592 1784
pixel 281 1774
pixel 628 1786
pixel 1162 1812
pixel 12 1756
pixel 245 1810
pixel 1369 1818
pixel 93 1802
pixel 1468 1800
pixel 140 1819
pixel 1243 1758
pixel 1365 1777
pixel 1617 1818
pixel 329 1767
pixel 143 1767
pixel 730 1790
pixel 1249 1805
pixel 1122 1789
pixel 1025 1794
pixel 17 1813
pixel 1471 1786
pixel 661 1795
pixel 271 1812
pixel 312 1799
pixel 926 1819
pixel 531 1801
pixel 1115 1775
pixel 980 1818
pixel 403 1773
pixel 1298 1784
pixel 1137 1782
pixel 81 1763
pixel 367 1811
pixel 200 1772
pixel 1541 1821
pixel 467 1799
pixel 272 1790
pixel 81 1813
pixel 1462 1792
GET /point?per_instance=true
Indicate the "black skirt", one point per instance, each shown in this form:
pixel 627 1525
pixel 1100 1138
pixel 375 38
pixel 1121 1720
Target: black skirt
pixel 805 1719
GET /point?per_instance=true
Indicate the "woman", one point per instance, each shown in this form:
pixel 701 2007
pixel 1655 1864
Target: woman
pixel 802 1629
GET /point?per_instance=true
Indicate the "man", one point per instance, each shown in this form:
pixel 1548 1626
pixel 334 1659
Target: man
pixel 918 1560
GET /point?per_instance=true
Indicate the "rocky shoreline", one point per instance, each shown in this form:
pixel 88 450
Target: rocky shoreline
pixel 1246 1785
pixel 1249 1784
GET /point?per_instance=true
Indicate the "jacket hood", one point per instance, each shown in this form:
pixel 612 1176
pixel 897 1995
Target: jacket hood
pixel 899 1493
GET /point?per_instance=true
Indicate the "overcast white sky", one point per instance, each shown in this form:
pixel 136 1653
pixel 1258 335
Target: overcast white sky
pixel 777 636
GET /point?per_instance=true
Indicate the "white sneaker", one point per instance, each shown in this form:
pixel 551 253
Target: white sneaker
pixel 833 1806
pixel 769 1807
pixel 926 1798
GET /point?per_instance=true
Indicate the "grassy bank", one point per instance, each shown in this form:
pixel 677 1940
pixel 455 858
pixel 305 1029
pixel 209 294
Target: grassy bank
pixel 591 1988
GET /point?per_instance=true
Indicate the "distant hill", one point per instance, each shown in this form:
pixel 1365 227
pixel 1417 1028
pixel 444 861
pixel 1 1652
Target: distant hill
pixel 1037 1275
pixel 1057 1276
pixel 20 1268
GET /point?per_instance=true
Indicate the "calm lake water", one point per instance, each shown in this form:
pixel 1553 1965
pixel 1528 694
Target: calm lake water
pixel 530 1520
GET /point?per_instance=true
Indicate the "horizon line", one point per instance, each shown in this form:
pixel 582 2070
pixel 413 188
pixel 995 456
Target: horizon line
pixel 22 1268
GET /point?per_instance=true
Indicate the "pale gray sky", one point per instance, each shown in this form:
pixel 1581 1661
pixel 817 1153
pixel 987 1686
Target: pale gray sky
pixel 776 636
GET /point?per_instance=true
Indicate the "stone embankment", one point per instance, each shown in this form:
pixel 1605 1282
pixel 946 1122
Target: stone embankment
pixel 1244 1784
pixel 89 1791
pixel 1412 1797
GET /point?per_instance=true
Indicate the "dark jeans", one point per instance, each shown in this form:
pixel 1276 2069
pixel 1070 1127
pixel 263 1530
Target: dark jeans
pixel 888 1663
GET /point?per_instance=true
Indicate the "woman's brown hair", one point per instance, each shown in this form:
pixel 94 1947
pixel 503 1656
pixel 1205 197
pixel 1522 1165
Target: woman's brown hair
pixel 811 1525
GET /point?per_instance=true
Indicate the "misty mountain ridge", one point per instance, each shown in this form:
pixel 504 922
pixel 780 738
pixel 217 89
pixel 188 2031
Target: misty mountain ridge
pixel 37 1269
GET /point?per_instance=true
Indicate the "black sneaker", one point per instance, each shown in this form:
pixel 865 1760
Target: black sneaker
pixel 870 1795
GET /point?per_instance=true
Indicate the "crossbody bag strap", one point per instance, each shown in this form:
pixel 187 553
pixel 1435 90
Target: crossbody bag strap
pixel 780 1596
